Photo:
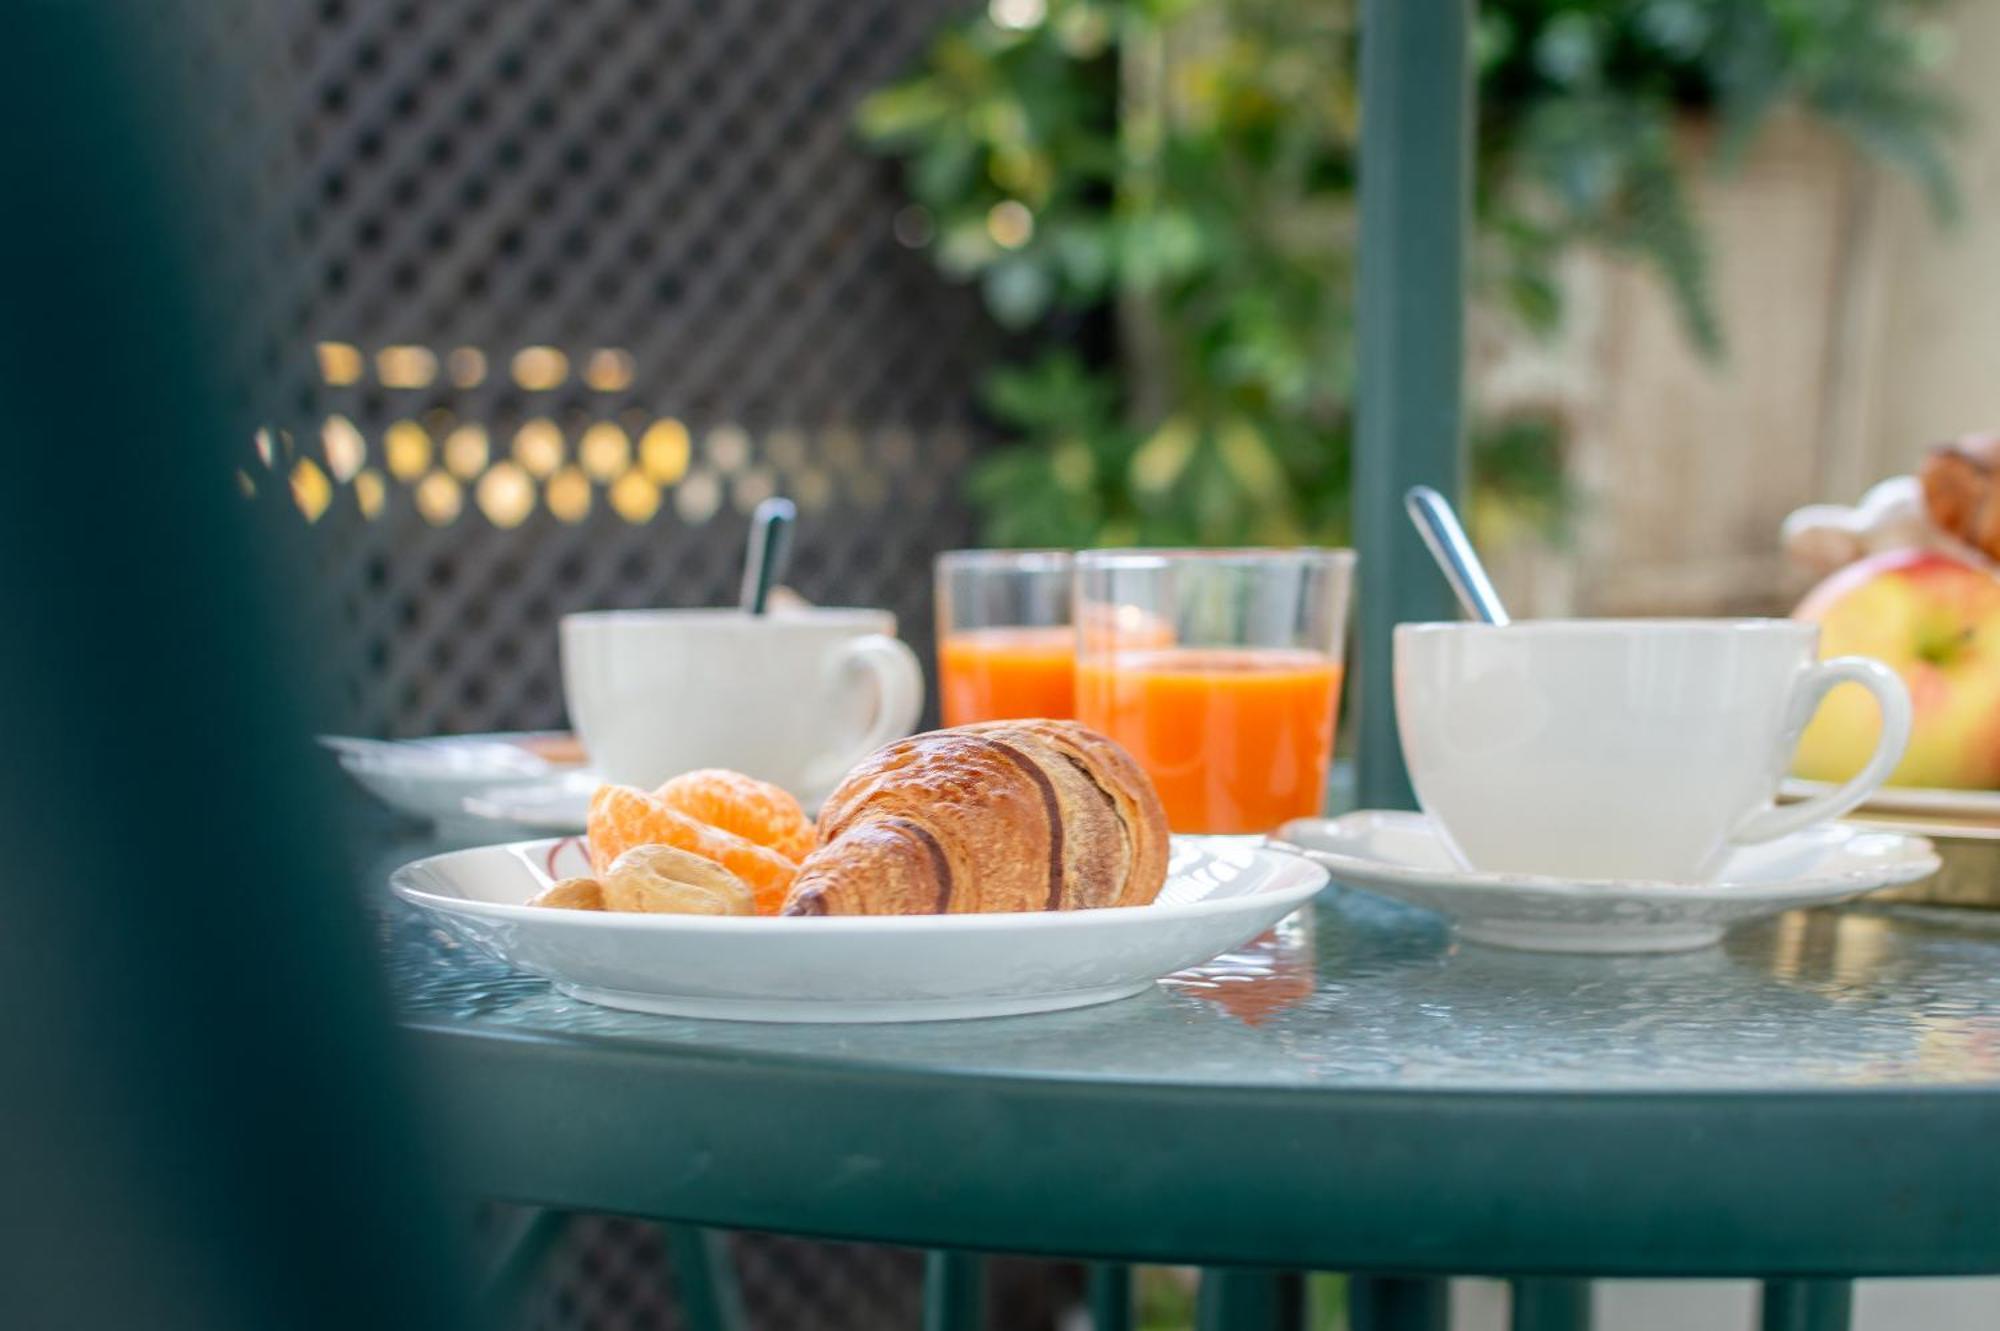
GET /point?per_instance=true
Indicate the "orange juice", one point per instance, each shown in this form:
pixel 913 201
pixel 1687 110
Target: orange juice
pixel 1236 739
pixel 1007 674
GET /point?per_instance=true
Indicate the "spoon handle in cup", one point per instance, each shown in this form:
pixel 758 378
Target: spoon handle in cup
pixel 1452 548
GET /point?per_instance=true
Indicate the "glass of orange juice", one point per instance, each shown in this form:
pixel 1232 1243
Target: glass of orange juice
pixel 1220 671
pixel 1006 644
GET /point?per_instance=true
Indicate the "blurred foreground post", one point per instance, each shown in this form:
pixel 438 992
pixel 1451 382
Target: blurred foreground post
pixel 1416 192
pixel 207 1122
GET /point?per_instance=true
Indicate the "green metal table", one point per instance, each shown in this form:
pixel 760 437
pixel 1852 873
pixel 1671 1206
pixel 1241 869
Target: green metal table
pixel 1815 1100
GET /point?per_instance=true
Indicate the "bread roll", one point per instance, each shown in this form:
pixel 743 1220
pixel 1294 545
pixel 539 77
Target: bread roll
pixel 1003 816
pixel 1961 482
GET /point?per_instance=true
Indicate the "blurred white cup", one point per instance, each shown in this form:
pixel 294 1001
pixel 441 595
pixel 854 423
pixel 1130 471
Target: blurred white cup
pixel 795 698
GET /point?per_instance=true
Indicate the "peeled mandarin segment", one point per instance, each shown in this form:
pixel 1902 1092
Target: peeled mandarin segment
pixel 754 810
pixel 663 880
pixel 619 816
pixel 622 817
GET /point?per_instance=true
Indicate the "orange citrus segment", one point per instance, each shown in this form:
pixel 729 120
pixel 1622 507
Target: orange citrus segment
pixel 754 810
pixel 622 817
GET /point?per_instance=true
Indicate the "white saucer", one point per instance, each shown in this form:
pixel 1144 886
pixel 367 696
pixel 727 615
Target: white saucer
pixel 1402 855
pixel 1221 892
pixel 558 806
pixel 1934 800
pixel 431 778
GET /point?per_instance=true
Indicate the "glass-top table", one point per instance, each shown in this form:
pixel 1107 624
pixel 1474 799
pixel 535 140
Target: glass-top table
pixel 1818 1096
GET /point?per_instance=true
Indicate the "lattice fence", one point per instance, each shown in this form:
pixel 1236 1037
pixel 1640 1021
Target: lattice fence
pixel 584 281
pixel 612 1273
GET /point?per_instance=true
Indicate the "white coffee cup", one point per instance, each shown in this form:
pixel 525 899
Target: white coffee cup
pixel 795 698
pixel 1634 749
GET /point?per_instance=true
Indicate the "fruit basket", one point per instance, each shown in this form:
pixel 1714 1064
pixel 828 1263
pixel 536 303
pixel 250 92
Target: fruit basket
pixel 1912 577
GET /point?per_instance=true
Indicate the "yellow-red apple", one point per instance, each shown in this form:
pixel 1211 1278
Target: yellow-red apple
pixel 1935 621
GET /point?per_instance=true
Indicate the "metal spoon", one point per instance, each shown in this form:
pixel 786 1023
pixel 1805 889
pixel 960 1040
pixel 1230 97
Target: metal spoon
pixel 770 549
pixel 1449 545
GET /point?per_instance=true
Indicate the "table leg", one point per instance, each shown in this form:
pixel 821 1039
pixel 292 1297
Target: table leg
pixel 954 1291
pixel 1398 1303
pixel 705 1278
pixel 1110 1297
pixel 1242 1298
pixel 522 1254
pixel 1807 1305
pixel 1550 1305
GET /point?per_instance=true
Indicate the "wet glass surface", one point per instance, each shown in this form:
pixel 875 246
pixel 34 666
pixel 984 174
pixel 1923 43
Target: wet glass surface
pixel 1364 992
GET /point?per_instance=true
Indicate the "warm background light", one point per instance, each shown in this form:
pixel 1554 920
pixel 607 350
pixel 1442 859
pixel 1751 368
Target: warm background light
pixel 407 449
pixel 639 462
pixel 634 497
pixel 466 366
pixel 663 451
pixel 346 450
pixel 505 495
pixel 538 446
pixel 539 369
pixel 466 451
pixel 439 499
pixel 340 363
pixel 609 370
pixel 604 451
pixel 406 367
pixel 311 490
pixel 568 495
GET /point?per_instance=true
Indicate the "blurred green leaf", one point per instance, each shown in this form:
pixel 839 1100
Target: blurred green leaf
pixel 1018 291
pixel 1189 168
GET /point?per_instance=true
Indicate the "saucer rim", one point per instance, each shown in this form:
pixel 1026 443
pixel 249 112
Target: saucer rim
pixel 1913 858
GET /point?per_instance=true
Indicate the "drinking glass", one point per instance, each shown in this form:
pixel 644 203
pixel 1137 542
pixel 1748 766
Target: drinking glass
pixel 1220 671
pixel 1006 644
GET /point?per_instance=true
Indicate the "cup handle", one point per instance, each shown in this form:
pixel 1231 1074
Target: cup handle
pixel 1814 685
pixel 899 687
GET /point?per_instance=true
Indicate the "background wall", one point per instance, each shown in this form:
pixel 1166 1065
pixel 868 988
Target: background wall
pixel 1859 330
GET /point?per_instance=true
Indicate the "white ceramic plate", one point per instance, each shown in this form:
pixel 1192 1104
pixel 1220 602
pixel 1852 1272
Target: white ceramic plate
pixel 1220 893
pixel 432 778
pixel 1401 855
pixel 1933 800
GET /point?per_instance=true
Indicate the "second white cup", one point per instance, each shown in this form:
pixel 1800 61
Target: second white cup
pixel 795 698
pixel 1635 749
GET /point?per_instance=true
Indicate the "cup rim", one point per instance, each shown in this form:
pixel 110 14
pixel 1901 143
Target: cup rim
pixel 1153 557
pixel 1610 627
pixel 1049 559
pixel 816 616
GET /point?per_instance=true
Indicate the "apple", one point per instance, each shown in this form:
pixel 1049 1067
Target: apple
pixel 1935 621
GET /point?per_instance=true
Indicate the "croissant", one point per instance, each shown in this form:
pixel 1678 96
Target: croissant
pixel 1002 816
pixel 1962 491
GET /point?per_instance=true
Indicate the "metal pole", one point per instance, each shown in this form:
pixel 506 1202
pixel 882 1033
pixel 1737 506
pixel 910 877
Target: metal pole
pixel 705 1278
pixel 1110 1297
pixel 1398 1303
pixel 1807 1305
pixel 1238 1298
pixel 954 1291
pixel 1416 200
pixel 1542 1304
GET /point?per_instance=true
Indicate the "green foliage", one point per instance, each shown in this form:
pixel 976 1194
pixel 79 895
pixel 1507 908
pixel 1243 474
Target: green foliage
pixel 1190 167
pixel 1583 104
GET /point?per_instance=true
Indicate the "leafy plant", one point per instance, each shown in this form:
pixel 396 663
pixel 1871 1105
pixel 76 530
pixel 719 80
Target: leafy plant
pixel 1582 104
pixel 1168 185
